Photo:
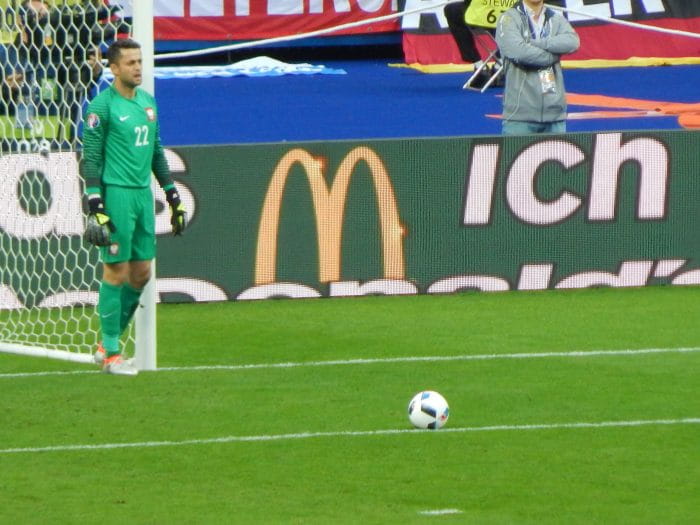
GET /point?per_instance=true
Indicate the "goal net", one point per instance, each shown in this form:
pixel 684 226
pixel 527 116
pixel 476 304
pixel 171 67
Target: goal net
pixel 50 53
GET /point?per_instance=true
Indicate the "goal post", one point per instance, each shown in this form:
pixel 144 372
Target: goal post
pixel 145 318
pixel 49 277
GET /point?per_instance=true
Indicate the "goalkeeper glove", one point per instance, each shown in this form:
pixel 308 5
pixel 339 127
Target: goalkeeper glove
pixel 178 215
pixel 99 225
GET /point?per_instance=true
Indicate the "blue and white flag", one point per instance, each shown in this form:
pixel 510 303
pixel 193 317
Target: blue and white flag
pixel 252 67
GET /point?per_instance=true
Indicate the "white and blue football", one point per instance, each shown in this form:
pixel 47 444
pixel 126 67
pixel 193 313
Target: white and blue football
pixel 428 409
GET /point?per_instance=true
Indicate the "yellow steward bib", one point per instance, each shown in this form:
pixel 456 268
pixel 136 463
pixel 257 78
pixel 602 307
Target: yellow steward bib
pixel 485 13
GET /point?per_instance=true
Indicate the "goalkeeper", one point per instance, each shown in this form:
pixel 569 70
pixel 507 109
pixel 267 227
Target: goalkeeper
pixel 121 146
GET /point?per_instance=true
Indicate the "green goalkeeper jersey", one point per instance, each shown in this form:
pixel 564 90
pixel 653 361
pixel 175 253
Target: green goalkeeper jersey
pixel 121 142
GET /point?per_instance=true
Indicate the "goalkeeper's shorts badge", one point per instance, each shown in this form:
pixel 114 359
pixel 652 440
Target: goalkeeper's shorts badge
pixel 114 249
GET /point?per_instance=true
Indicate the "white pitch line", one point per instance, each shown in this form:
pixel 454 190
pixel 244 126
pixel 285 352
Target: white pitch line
pixel 386 360
pixel 341 434
pixel 414 359
pixel 48 373
pixel 440 512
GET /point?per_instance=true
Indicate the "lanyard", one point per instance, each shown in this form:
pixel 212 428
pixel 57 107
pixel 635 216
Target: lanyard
pixel 544 32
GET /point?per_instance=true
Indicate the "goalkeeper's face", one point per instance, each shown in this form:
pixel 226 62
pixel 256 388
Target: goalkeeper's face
pixel 127 70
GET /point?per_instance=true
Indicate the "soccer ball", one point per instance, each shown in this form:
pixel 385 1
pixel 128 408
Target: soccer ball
pixel 428 409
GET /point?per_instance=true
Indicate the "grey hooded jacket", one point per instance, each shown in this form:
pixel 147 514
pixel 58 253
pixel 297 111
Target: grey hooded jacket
pixel 524 56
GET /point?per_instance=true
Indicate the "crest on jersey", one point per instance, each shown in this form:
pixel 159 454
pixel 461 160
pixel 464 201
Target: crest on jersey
pixel 151 114
pixel 93 121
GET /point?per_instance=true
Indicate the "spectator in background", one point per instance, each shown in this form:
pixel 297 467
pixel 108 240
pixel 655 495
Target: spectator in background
pixel 54 64
pixel 18 70
pixel 30 61
pixel 91 72
pixel 53 67
pixel 126 9
pixel 120 18
pixel 106 21
pixel 34 41
pixel 532 38
pixel 11 87
pixel 7 83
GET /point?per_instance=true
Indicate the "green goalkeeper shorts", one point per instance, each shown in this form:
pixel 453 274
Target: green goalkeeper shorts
pixel 133 216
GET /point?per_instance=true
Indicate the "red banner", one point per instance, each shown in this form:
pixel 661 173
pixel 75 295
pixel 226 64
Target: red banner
pixel 257 19
pixel 427 40
pixel 620 42
pixel 611 42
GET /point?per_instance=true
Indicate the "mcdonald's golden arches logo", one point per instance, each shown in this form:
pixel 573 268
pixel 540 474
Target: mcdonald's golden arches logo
pixel 329 211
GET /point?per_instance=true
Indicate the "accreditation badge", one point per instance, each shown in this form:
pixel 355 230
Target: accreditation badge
pixel 548 80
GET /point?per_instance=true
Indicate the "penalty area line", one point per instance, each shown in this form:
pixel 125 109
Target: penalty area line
pixel 386 360
pixel 435 359
pixel 342 434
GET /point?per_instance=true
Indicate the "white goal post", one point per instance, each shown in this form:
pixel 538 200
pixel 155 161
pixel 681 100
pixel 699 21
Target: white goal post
pixel 145 319
pixel 49 277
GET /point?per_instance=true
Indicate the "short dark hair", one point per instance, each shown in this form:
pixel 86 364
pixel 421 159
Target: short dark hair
pixel 115 49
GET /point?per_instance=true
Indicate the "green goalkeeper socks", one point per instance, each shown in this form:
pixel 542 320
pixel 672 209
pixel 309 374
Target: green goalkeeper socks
pixel 130 301
pixel 110 307
pixel 117 306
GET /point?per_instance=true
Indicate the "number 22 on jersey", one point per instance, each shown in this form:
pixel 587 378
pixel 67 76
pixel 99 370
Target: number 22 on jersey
pixel 141 135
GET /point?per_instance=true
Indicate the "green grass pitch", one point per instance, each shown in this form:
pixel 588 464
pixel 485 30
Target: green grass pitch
pixel 328 442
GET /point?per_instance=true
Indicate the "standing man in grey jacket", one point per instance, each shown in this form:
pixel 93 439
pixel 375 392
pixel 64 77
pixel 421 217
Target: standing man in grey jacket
pixel 532 38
